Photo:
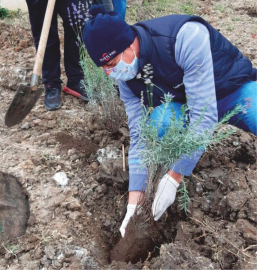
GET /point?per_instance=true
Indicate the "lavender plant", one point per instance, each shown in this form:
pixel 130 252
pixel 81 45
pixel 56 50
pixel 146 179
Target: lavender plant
pixel 101 90
pixel 180 139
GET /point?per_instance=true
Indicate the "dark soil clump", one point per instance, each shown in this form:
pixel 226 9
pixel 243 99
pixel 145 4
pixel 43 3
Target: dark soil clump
pixel 83 145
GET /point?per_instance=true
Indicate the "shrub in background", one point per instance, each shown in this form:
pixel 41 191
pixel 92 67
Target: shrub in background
pixel 101 90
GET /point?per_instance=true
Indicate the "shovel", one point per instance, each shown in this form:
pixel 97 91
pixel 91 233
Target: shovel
pixel 27 96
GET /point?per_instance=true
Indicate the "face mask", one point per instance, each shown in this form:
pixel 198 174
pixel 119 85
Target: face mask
pixel 123 71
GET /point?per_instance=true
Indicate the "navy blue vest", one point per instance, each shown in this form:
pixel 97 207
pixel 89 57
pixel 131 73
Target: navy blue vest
pixel 157 40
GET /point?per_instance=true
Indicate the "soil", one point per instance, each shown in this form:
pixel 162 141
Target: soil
pixel 83 145
pixel 76 226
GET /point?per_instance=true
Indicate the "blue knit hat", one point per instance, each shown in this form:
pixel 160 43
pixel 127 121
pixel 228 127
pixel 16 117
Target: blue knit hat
pixel 106 35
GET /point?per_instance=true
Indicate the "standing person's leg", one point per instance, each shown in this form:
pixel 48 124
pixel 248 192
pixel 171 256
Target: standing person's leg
pixel 106 3
pixel 120 7
pixel 51 65
pixel 71 50
pixel 247 96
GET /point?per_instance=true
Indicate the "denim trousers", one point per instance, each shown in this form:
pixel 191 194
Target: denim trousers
pixel 120 7
pixel 51 71
pixel 246 95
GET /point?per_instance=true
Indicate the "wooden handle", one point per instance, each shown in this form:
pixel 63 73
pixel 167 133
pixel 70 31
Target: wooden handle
pixel 124 158
pixel 43 38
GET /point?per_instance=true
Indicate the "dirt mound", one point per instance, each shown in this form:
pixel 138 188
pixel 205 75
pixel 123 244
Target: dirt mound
pixel 14 36
pixel 83 145
pixel 220 230
pixel 14 208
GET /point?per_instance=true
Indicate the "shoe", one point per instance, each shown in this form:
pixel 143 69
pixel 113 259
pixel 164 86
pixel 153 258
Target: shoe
pixel 52 98
pixel 76 90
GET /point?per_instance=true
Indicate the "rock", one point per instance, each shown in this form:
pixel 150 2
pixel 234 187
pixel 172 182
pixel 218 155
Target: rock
pixel 14 267
pixel 55 200
pixel 26 125
pixel 68 252
pixel 104 188
pixel 37 121
pixel 43 137
pixel 216 173
pixel 99 189
pixel 237 199
pixel 93 185
pixel 88 192
pixel 198 214
pixel 113 169
pixel 89 214
pixel 3 262
pixel 72 204
pixel 245 138
pixel 107 223
pixel 71 151
pixel 124 132
pixel 251 211
pixel 38 253
pixel 61 178
pixel 51 124
pixel 94 166
pixel 75 215
pixel 249 231
pixel 74 157
pixel 49 251
pixel 199 189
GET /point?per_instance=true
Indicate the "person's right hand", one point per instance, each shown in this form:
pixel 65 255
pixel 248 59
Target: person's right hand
pixel 130 212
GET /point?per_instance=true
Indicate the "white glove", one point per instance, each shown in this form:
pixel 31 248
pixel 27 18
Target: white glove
pixel 130 212
pixel 165 196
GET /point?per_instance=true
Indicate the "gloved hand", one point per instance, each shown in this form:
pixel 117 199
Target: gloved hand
pixel 130 212
pixel 165 196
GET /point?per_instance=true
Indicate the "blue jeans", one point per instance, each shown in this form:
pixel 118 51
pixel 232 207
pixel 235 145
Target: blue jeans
pixel 247 96
pixel 120 7
pixel 246 120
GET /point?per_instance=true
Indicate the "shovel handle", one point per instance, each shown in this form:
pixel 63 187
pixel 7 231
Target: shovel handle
pixel 44 37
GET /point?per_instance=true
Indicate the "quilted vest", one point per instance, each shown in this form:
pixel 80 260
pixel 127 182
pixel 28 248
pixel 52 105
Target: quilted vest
pixel 157 38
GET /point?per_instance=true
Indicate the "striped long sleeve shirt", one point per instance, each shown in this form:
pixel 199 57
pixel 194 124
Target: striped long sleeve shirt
pixel 193 55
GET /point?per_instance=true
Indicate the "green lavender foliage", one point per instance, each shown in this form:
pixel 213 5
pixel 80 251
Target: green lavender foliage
pixel 184 197
pixel 102 93
pixel 101 90
pixel 180 139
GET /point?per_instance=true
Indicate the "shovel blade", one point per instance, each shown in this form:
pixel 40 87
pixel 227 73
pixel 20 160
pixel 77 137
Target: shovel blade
pixel 22 103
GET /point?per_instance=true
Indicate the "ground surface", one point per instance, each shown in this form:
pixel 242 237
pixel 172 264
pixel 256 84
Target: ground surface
pixel 75 226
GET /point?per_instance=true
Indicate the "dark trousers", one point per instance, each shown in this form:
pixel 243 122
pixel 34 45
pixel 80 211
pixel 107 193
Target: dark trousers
pixel 51 66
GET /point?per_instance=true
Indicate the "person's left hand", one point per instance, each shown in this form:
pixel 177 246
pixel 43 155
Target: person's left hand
pixel 165 195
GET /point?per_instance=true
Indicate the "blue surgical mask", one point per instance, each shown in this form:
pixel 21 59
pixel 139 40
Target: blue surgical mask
pixel 123 71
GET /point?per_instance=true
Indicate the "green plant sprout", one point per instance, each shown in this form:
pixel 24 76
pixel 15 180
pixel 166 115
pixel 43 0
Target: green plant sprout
pixel 184 197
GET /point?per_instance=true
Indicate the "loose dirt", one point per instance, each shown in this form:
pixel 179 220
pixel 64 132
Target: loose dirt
pixel 77 225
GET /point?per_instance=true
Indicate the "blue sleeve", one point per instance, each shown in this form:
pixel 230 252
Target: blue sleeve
pixel 137 173
pixel 193 55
